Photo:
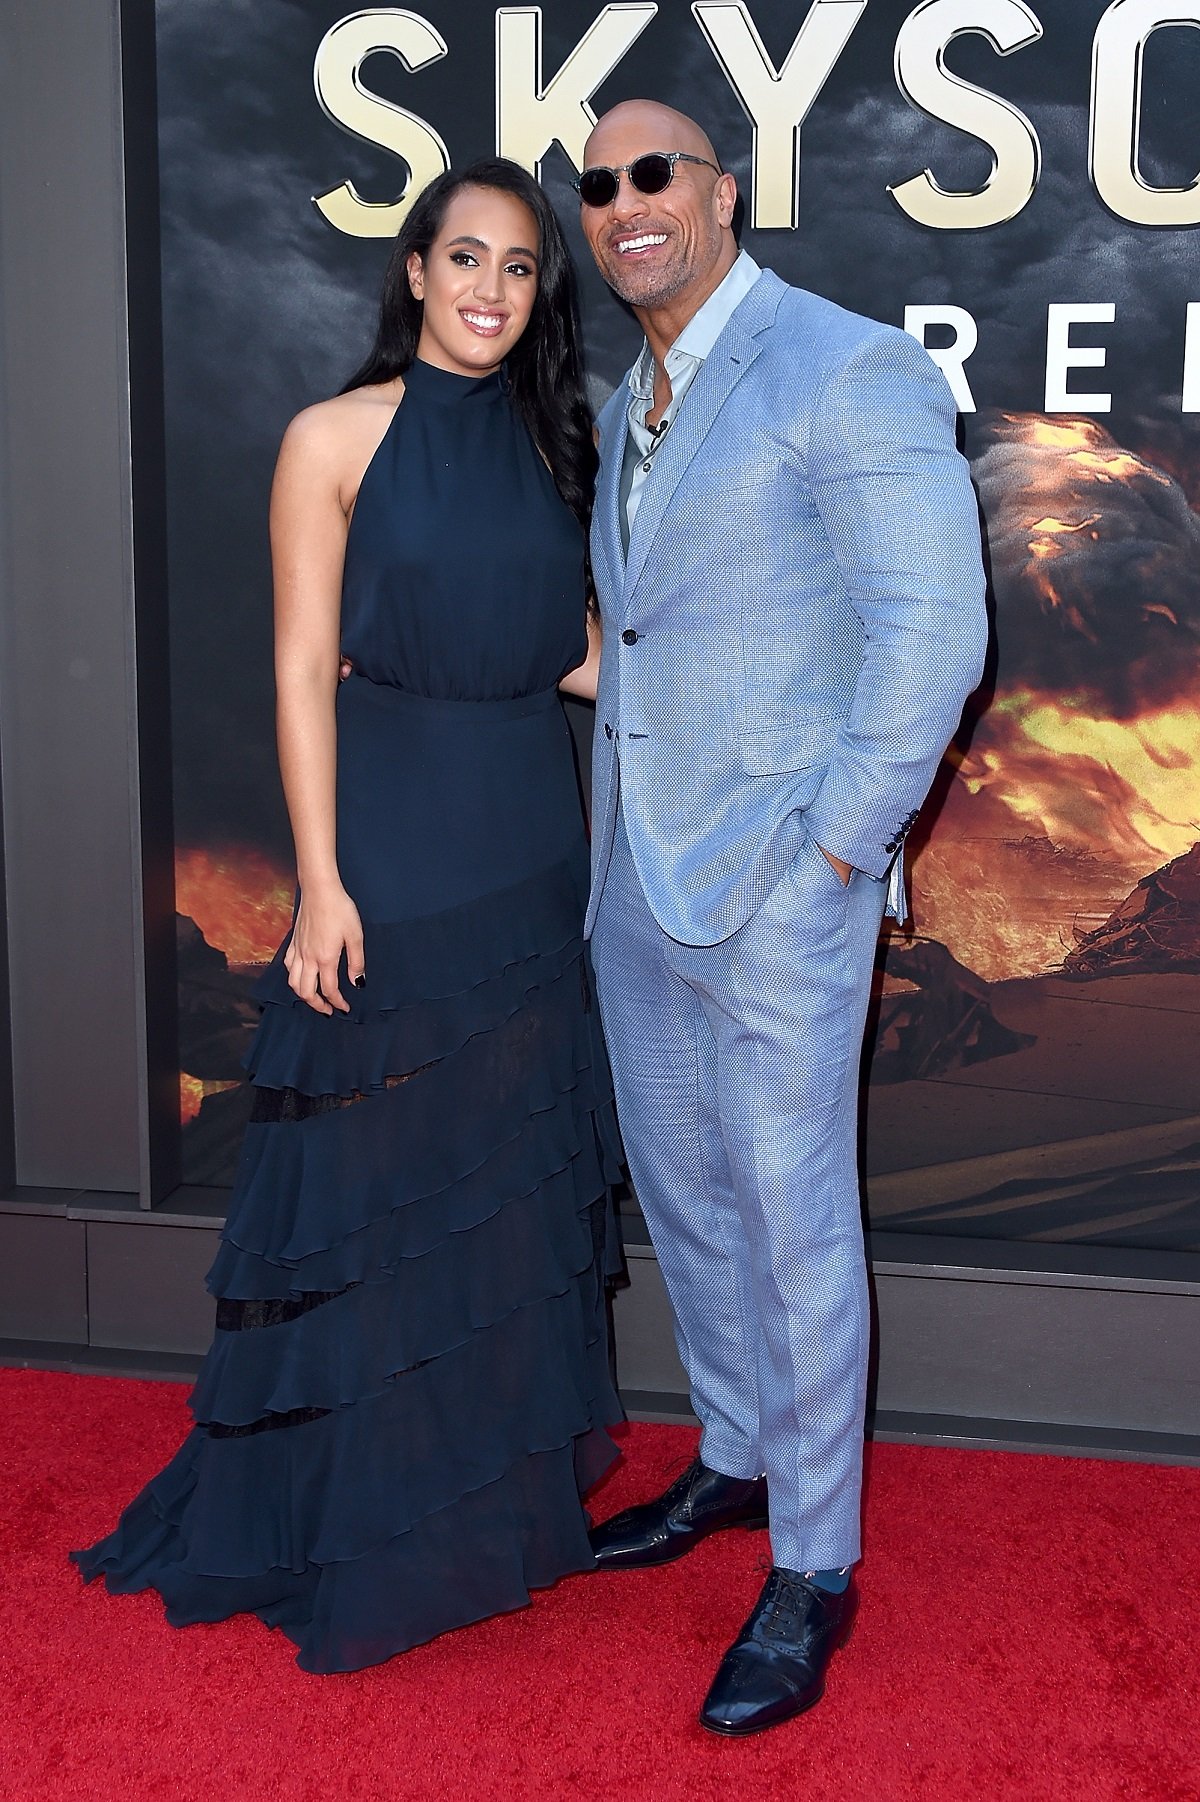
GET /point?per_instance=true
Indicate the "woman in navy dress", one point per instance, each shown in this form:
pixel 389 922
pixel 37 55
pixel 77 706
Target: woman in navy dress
pixel 409 1382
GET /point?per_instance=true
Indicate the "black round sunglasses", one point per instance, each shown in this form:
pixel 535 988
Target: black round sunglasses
pixel 650 174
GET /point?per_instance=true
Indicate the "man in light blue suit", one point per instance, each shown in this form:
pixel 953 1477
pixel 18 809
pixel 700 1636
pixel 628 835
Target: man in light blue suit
pixel 787 560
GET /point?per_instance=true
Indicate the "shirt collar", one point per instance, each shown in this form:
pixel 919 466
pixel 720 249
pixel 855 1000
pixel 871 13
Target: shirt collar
pixel 703 328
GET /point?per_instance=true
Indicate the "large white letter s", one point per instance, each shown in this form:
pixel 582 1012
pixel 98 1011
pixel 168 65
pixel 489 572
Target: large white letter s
pixel 340 55
pixel 927 85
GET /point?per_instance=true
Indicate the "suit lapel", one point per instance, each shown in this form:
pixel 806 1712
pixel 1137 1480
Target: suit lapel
pixel 731 356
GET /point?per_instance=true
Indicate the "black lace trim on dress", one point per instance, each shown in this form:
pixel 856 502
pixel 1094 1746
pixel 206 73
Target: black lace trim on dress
pixel 248 1316
pixel 273 1107
pixel 293 1417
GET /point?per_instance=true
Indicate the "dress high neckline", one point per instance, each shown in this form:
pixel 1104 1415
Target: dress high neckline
pixel 448 388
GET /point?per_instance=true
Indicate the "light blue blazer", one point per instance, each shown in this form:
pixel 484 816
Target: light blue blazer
pixel 789 644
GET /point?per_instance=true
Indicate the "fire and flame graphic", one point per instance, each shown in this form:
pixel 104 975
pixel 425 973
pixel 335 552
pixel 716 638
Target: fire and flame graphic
pixel 192 1092
pixel 242 904
pixel 240 899
pixel 1082 772
pixel 1083 460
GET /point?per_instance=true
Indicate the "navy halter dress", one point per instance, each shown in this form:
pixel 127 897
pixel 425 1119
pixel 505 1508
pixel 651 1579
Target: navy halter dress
pixel 409 1382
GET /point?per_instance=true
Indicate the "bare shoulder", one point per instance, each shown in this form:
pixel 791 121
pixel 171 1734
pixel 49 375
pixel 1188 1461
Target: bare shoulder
pixel 332 442
pixel 344 420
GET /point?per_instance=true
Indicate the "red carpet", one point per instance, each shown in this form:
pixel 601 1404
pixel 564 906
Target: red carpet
pixel 1029 1629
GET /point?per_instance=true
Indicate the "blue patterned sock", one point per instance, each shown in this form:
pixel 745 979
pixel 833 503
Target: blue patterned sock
pixel 836 1582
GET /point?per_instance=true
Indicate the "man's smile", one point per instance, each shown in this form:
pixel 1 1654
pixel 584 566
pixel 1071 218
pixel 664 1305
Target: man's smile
pixel 638 244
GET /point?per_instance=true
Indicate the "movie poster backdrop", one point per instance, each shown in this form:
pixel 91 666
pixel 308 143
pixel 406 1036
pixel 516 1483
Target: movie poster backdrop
pixel 1014 183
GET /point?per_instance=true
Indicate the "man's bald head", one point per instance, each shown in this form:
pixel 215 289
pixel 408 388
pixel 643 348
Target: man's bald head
pixel 646 118
pixel 663 252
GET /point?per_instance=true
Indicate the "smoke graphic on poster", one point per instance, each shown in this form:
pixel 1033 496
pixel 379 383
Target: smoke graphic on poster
pixel 1031 1058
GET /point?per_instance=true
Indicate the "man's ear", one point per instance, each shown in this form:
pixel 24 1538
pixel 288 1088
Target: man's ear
pixel 726 192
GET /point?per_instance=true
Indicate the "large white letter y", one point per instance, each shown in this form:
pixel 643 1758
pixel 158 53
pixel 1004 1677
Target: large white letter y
pixel 777 102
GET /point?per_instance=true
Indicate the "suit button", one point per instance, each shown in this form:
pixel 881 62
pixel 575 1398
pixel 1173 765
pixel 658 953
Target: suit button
pixel 607 730
pixel 629 636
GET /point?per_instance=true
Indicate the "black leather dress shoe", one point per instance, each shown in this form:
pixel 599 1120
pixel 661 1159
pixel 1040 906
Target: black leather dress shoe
pixel 776 1666
pixel 698 1503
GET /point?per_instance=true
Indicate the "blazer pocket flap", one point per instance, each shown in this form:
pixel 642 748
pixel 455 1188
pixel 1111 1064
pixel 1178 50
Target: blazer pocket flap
pixel 774 751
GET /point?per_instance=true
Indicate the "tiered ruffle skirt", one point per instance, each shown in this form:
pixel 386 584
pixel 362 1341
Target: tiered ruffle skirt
pixel 409 1384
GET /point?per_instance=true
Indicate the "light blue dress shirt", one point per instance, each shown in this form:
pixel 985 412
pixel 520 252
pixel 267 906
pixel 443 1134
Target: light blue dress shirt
pixel 684 358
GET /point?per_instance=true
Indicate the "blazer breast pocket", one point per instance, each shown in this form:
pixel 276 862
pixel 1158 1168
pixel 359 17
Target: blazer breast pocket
pixel 749 476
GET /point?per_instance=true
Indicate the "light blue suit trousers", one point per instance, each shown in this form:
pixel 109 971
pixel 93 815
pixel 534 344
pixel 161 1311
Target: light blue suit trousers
pixel 736 1065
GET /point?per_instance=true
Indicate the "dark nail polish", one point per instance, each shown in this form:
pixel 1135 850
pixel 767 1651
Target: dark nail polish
pixel 360 982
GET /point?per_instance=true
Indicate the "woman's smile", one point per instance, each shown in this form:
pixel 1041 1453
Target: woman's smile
pixel 478 281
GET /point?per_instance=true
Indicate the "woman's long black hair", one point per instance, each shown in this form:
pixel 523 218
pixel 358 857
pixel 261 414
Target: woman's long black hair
pixel 545 367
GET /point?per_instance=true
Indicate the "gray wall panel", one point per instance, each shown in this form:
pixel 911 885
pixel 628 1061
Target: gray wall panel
pixel 43 1279
pixel 1086 1356
pixel 645 1336
pixel 1118 1358
pixel 146 1286
pixel 67 713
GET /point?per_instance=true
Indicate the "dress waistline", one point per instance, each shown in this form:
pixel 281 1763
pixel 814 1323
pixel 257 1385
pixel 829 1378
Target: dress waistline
pixel 386 694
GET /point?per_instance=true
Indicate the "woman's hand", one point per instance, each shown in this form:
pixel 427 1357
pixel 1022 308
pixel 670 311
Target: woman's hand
pixel 326 924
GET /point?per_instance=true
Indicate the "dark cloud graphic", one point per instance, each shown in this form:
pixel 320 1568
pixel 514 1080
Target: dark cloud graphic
pixel 1095 559
pixel 260 317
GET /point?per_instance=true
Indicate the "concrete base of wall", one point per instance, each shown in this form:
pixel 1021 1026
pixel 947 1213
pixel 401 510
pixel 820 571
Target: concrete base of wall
pixel 1077 1350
